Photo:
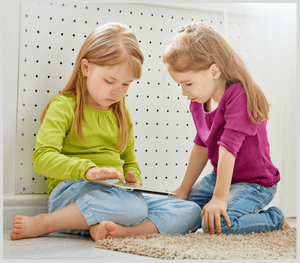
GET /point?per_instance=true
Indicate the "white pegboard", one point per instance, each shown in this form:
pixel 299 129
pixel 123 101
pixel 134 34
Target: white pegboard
pixel 50 38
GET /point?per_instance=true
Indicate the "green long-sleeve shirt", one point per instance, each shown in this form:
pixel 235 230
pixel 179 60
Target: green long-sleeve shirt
pixel 59 158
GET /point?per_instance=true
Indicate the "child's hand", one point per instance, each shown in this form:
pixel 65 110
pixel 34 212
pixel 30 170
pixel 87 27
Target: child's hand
pixel 132 179
pixel 179 194
pixel 211 213
pixel 97 173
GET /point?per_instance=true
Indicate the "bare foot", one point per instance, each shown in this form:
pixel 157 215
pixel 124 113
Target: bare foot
pixel 105 229
pixel 286 225
pixel 26 227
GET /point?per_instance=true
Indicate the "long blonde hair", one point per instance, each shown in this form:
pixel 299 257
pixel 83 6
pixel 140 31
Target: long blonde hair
pixel 197 46
pixel 108 45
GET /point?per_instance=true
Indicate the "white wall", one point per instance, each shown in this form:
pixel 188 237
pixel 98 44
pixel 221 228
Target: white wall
pixel 10 45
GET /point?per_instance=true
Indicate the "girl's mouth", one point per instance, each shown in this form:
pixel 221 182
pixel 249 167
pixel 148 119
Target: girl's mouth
pixel 111 100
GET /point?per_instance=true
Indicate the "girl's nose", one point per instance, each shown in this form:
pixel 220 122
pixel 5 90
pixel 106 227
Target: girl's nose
pixel 116 90
pixel 184 93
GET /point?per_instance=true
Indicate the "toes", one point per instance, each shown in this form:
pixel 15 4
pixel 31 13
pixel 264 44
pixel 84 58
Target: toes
pixel 16 231
pixel 13 236
pixel 17 220
pixel 17 223
pixel 18 226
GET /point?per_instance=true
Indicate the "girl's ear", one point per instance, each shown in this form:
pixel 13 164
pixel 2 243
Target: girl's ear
pixel 84 67
pixel 215 71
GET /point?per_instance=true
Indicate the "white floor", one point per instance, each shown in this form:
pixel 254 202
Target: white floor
pixel 61 247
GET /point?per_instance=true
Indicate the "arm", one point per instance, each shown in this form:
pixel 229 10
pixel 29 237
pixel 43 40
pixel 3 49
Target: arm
pixel 48 159
pixel 225 171
pixel 197 162
pixel 218 204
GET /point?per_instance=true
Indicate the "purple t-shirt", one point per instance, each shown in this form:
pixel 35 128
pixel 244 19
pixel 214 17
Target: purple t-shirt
pixel 230 126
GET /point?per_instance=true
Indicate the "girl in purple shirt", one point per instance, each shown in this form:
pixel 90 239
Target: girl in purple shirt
pixel 230 113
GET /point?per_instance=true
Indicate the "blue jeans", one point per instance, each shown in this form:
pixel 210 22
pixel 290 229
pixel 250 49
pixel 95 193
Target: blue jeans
pixel 105 203
pixel 244 201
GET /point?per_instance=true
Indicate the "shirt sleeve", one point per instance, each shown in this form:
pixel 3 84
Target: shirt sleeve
pixel 47 158
pixel 198 141
pixel 129 155
pixel 238 124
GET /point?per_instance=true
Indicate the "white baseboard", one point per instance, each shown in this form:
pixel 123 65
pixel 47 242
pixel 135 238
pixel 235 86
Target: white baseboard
pixel 28 205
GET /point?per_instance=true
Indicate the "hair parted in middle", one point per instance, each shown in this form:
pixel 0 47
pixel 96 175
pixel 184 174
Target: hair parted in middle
pixel 197 46
pixel 110 44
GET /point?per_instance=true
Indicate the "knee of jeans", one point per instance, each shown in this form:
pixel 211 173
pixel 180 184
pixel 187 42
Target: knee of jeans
pixel 136 206
pixel 194 211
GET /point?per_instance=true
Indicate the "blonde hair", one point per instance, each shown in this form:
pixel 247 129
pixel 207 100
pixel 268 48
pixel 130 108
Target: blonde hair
pixel 197 46
pixel 108 45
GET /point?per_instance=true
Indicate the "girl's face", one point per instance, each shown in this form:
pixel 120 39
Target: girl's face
pixel 200 86
pixel 106 85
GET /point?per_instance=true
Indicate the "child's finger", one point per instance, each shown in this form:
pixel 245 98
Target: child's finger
pixel 131 173
pixel 115 174
pixel 218 223
pixel 206 222
pixel 132 178
pixel 121 178
pixel 202 214
pixel 211 219
pixel 226 217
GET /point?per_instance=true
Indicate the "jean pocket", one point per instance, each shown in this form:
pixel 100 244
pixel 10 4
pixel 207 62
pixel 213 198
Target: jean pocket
pixel 268 194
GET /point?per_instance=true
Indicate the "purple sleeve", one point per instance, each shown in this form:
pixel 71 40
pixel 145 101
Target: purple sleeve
pixel 198 141
pixel 238 124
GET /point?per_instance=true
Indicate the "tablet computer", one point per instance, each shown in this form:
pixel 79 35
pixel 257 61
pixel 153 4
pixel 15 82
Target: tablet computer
pixel 133 187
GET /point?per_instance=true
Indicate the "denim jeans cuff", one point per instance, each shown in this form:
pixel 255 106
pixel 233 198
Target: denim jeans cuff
pixel 159 225
pixel 86 211
pixel 280 224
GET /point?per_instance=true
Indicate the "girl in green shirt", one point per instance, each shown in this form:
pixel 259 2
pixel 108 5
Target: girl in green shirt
pixel 86 134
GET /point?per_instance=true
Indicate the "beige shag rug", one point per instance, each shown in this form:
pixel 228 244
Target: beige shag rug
pixel 281 244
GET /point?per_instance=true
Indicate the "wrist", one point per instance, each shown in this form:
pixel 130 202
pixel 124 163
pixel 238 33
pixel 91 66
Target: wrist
pixel 88 172
pixel 184 189
pixel 221 197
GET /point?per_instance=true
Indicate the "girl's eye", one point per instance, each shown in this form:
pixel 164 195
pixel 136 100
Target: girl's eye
pixel 108 82
pixel 188 84
pixel 126 84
